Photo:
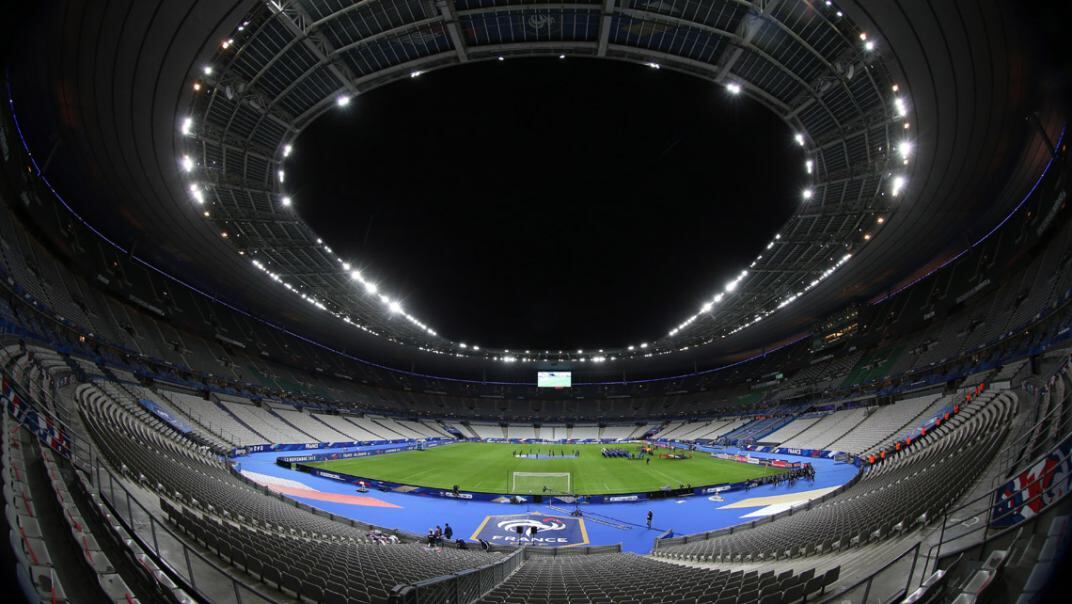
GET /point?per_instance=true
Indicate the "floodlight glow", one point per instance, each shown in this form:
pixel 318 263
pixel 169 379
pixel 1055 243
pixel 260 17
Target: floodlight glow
pixel 733 88
pixel 208 70
pixel 187 163
pixel 808 165
pixel 706 307
pixel 869 45
pixel 799 138
pixel 463 345
pixel 732 285
pixel 287 150
pixel 187 126
pixel 345 266
pixel 355 275
pixel 342 101
pixel 371 287
pixel 807 194
pixel 394 306
pixel 282 176
pixel 654 65
pixel 561 56
pixel 643 344
pixel 904 148
pixel 415 74
pixel 900 106
pixel 631 347
pixel 898 185
pixel 286 201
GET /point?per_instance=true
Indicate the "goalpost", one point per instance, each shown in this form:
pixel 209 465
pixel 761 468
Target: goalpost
pixel 540 483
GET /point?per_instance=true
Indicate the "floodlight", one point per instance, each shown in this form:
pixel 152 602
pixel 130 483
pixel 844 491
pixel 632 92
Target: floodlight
pixel 898 184
pixel 904 148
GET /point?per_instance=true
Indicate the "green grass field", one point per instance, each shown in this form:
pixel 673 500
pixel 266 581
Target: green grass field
pixel 487 467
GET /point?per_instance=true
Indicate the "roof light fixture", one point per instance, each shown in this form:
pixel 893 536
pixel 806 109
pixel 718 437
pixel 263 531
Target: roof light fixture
pixel 904 148
pixel 898 185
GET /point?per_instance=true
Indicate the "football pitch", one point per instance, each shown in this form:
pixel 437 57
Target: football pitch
pixel 488 468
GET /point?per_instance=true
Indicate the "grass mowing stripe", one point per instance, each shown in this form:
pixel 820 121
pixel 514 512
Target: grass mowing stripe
pixel 487 467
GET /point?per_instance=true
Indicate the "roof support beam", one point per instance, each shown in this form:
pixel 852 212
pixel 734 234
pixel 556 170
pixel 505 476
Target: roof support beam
pixel 450 17
pixel 295 19
pixel 604 27
pixel 747 30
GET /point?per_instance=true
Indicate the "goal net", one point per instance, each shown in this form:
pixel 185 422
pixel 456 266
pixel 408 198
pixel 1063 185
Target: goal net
pixel 540 483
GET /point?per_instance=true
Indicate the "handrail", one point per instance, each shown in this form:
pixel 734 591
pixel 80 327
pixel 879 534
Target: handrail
pixel 1024 439
pixel 868 582
pixel 464 586
pixel 1026 432
pixel 988 497
pixel 123 509
pixel 935 551
pixel 185 566
pixel 76 439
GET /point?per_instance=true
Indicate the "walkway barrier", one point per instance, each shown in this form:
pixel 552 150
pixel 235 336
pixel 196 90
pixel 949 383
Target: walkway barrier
pixel 471 585
pixel 201 575
pixel 465 586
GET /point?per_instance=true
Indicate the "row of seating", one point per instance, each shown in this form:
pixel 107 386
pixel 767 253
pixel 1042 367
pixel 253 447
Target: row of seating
pixel 273 541
pixel 631 579
pixel 34 570
pixel 112 584
pixel 907 490
pixel 322 570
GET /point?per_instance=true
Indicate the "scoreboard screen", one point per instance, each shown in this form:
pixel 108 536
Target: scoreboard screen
pixel 554 379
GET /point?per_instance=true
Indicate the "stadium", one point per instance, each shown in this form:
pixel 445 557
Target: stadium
pixel 513 301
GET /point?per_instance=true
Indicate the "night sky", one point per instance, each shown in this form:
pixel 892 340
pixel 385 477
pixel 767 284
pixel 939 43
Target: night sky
pixel 548 203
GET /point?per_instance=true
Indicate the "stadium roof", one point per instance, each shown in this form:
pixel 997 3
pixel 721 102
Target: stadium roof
pixel 175 120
